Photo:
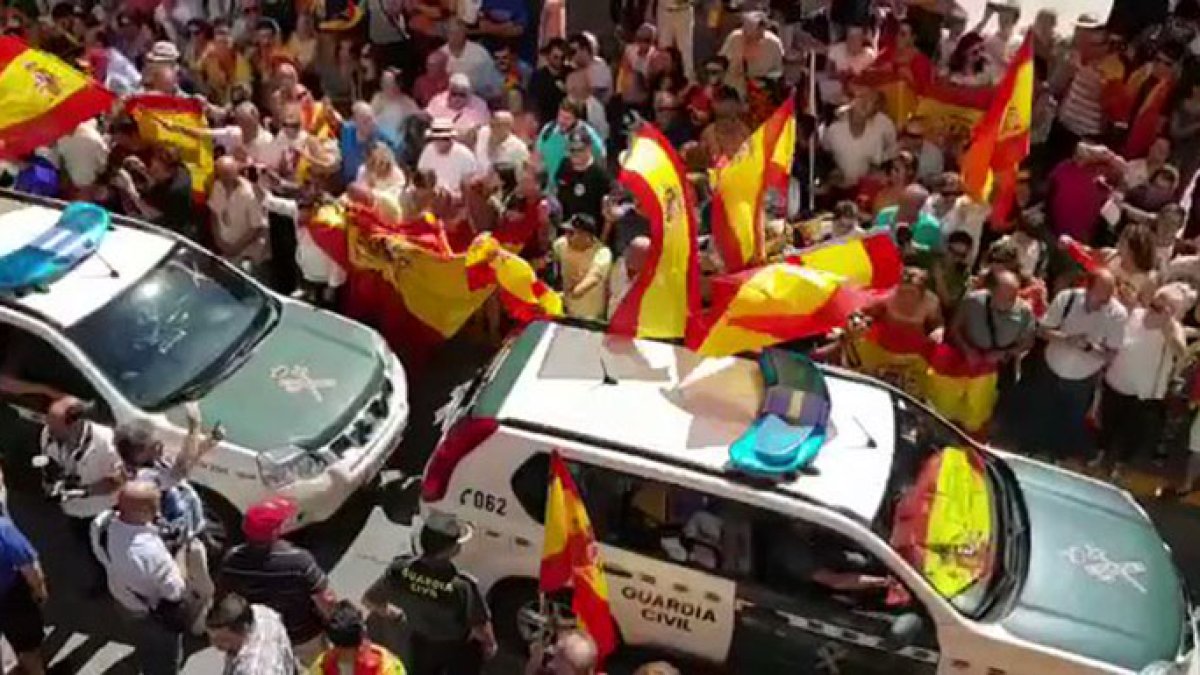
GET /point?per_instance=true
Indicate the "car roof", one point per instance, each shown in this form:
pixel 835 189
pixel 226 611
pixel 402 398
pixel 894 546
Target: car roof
pixel 686 410
pixel 90 285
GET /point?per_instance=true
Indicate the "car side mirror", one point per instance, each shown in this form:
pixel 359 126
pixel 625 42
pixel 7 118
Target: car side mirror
pixel 904 631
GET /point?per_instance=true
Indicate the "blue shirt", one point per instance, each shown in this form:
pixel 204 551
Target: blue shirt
pixel 507 10
pixel 15 552
pixel 354 152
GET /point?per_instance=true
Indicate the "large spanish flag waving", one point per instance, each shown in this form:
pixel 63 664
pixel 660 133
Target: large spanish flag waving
pixel 666 296
pixel 154 113
pixel 523 294
pixel 773 304
pixel 571 558
pixel 1000 142
pixel 42 98
pixel 871 261
pixel 963 390
pixel 763 162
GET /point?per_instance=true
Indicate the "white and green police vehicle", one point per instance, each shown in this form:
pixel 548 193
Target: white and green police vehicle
pixel 140 321
pixel 795 572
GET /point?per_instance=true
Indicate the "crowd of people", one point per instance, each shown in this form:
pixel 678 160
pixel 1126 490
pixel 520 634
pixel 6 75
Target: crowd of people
pixel 489 116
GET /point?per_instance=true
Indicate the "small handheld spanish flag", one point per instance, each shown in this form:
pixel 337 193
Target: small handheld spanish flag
pixel 571 558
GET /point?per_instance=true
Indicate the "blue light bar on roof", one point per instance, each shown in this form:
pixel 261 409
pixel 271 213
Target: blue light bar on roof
pixel 792 423
pixel 71 240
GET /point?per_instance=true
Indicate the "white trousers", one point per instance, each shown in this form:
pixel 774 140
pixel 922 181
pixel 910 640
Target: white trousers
pixel 676 28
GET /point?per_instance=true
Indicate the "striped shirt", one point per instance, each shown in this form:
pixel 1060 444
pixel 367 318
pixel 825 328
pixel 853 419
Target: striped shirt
pixel 1082 108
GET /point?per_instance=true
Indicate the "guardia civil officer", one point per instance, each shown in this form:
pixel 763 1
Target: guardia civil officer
pixel 450 625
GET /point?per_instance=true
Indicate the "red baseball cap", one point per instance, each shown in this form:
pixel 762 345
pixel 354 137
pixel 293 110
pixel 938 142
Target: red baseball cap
pixel 264 520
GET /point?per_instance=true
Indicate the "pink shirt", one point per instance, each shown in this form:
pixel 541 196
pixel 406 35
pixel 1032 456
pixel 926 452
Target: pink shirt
pixel 1076 199
pixel 470 116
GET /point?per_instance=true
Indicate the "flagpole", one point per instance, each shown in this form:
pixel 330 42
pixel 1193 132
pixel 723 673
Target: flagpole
pixel 812 146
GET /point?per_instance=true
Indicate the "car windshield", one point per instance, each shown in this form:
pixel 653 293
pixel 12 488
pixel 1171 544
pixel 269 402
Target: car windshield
pixel 941 512
pixel 174 332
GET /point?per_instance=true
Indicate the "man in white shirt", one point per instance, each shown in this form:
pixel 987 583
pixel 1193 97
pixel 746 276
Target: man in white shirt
pixel 497 145
pixel 580 90
pixel 677 27
pixel 860 138
pixel 83 155
pixel 1001 45
pixel 956 211
pixel 84 471
pixel 1083 329
pixel 322 274
pixel 583 57
pixel 451 161
pixel 471 59
pixel 239 218
pixel 753 52
pixel 142 576
pixel 246 139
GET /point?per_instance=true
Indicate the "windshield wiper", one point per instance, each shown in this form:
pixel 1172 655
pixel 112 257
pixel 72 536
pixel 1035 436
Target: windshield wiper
pixel 230 361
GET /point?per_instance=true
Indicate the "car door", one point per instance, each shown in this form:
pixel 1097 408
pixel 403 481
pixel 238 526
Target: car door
pixel 790 615
pixel 30 358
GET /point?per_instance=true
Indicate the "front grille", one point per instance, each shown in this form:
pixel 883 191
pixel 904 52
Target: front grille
pixel 362 428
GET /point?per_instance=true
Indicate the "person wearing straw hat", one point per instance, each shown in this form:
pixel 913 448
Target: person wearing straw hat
pixel 442 605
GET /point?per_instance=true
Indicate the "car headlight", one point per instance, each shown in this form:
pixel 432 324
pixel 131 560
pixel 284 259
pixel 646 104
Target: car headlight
pixel 282 467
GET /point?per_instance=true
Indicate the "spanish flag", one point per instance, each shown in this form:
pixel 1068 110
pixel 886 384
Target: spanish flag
pixel 523 294
pixel 42 98
pixel 406 285
pixel 151 111
pixel 950 109
pixel 895 353
pixel 943 524
pixel 1000 142
pixel 763 162
pixel 963 391
pixel 665 299
pixel 871 261
pixel 328 228
pixel 571 558
pixel 777 303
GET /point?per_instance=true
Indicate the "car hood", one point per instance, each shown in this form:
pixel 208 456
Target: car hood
pixel 1101 582
pixel 302 384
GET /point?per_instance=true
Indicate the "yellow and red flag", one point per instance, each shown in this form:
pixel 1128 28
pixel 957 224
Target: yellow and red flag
pixel 777 303
pixel 963 390
pixel 943 524
pixel 571 558
pixel 950 109
pixel 665 299
pixel 42 98
pixel 403 282
pixel 895 353
pixel 1000 142
pixel 763 162
pixel 155 113
pixel 523 294
pixel 328 228
pixel 871 261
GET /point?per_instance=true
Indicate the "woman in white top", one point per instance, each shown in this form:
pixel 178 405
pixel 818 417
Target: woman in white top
pixel 381 175
pixel 391 105
pixel 1131 403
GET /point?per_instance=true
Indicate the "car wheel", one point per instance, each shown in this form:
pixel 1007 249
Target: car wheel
pixel 518 619
pixel 223 524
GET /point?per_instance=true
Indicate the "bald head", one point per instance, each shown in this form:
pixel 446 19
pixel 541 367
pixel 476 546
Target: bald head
pixel 911 202
pixel 1100 288
pixel 575 654
pixel 62 419
pixel 636 254
pixel 137 502
pixel 1004 286
pixel 226 168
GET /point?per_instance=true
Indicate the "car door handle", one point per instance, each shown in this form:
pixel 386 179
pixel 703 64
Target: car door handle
pixel 609 568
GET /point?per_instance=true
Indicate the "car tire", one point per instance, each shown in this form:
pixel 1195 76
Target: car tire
pixel 223 524
pixel 515 617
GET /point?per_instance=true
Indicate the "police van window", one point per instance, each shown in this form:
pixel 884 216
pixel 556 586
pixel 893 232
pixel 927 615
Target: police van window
pixel 30 358
pixel 652 518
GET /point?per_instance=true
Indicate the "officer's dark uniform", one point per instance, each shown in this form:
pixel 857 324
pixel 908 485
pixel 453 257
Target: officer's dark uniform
pixel 442 604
